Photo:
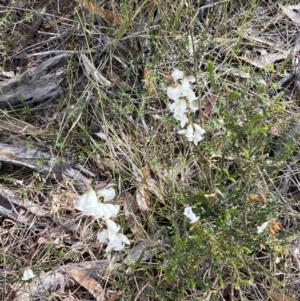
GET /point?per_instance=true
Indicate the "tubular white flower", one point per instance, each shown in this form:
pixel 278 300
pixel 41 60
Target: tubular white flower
pixel 112 226
pixel 188 212
pixel 177 74
pixel 188 132
pixel 194 132
pixel 262 227
pixel 107 194
pixel 174 93
pixel 184 97
pixel 186 90
pixel 198 134
pixel 108 234
pixel 190 95
pixel 185 87
pixel 106 211
pixel 184 120
pixel 91 206
pixel 116 241
pixel 180 107
pixel 28 274
pixel 87 202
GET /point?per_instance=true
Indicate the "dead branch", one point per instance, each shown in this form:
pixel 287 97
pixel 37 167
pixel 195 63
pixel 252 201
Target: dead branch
pixel 37 84
pixel 48 165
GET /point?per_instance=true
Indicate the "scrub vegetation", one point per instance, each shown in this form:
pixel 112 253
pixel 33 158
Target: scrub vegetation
pixel 238 173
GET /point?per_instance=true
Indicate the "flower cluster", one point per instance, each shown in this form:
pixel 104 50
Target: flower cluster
pixel 90 205
pixel 184 104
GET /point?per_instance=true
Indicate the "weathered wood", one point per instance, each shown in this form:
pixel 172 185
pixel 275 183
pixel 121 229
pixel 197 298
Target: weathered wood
pixel 37 84
pixel 48 165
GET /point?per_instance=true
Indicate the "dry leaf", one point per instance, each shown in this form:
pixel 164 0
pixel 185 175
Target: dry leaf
pixel 106 14
pixel 209 102
pixel 130 207
pixel 275 228
pixel 143 195
pixel 258 197
pixel 101 135
pixel 146 172
pixel 280 297
pixel 254 197
pixel 116 79
pixel 143 199
pixel 293 12
pixel 264 60
pixel 239 73
pixel 89 283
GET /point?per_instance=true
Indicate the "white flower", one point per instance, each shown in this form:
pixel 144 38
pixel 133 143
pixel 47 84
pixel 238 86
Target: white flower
pixel 88 202
pixel 188 212
pixel 174 93
pixel 177 74
pixel 193 132
pixel 107 194
pixel 116 241
pixel 178 107
pixel 91 206
pixel 112 226
pixel 189 132
pixel 106 211
pixel 198 134
pixel 263 227
pixel 28 274
pixel 183 120
pixel 186 90
pixel 183 90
